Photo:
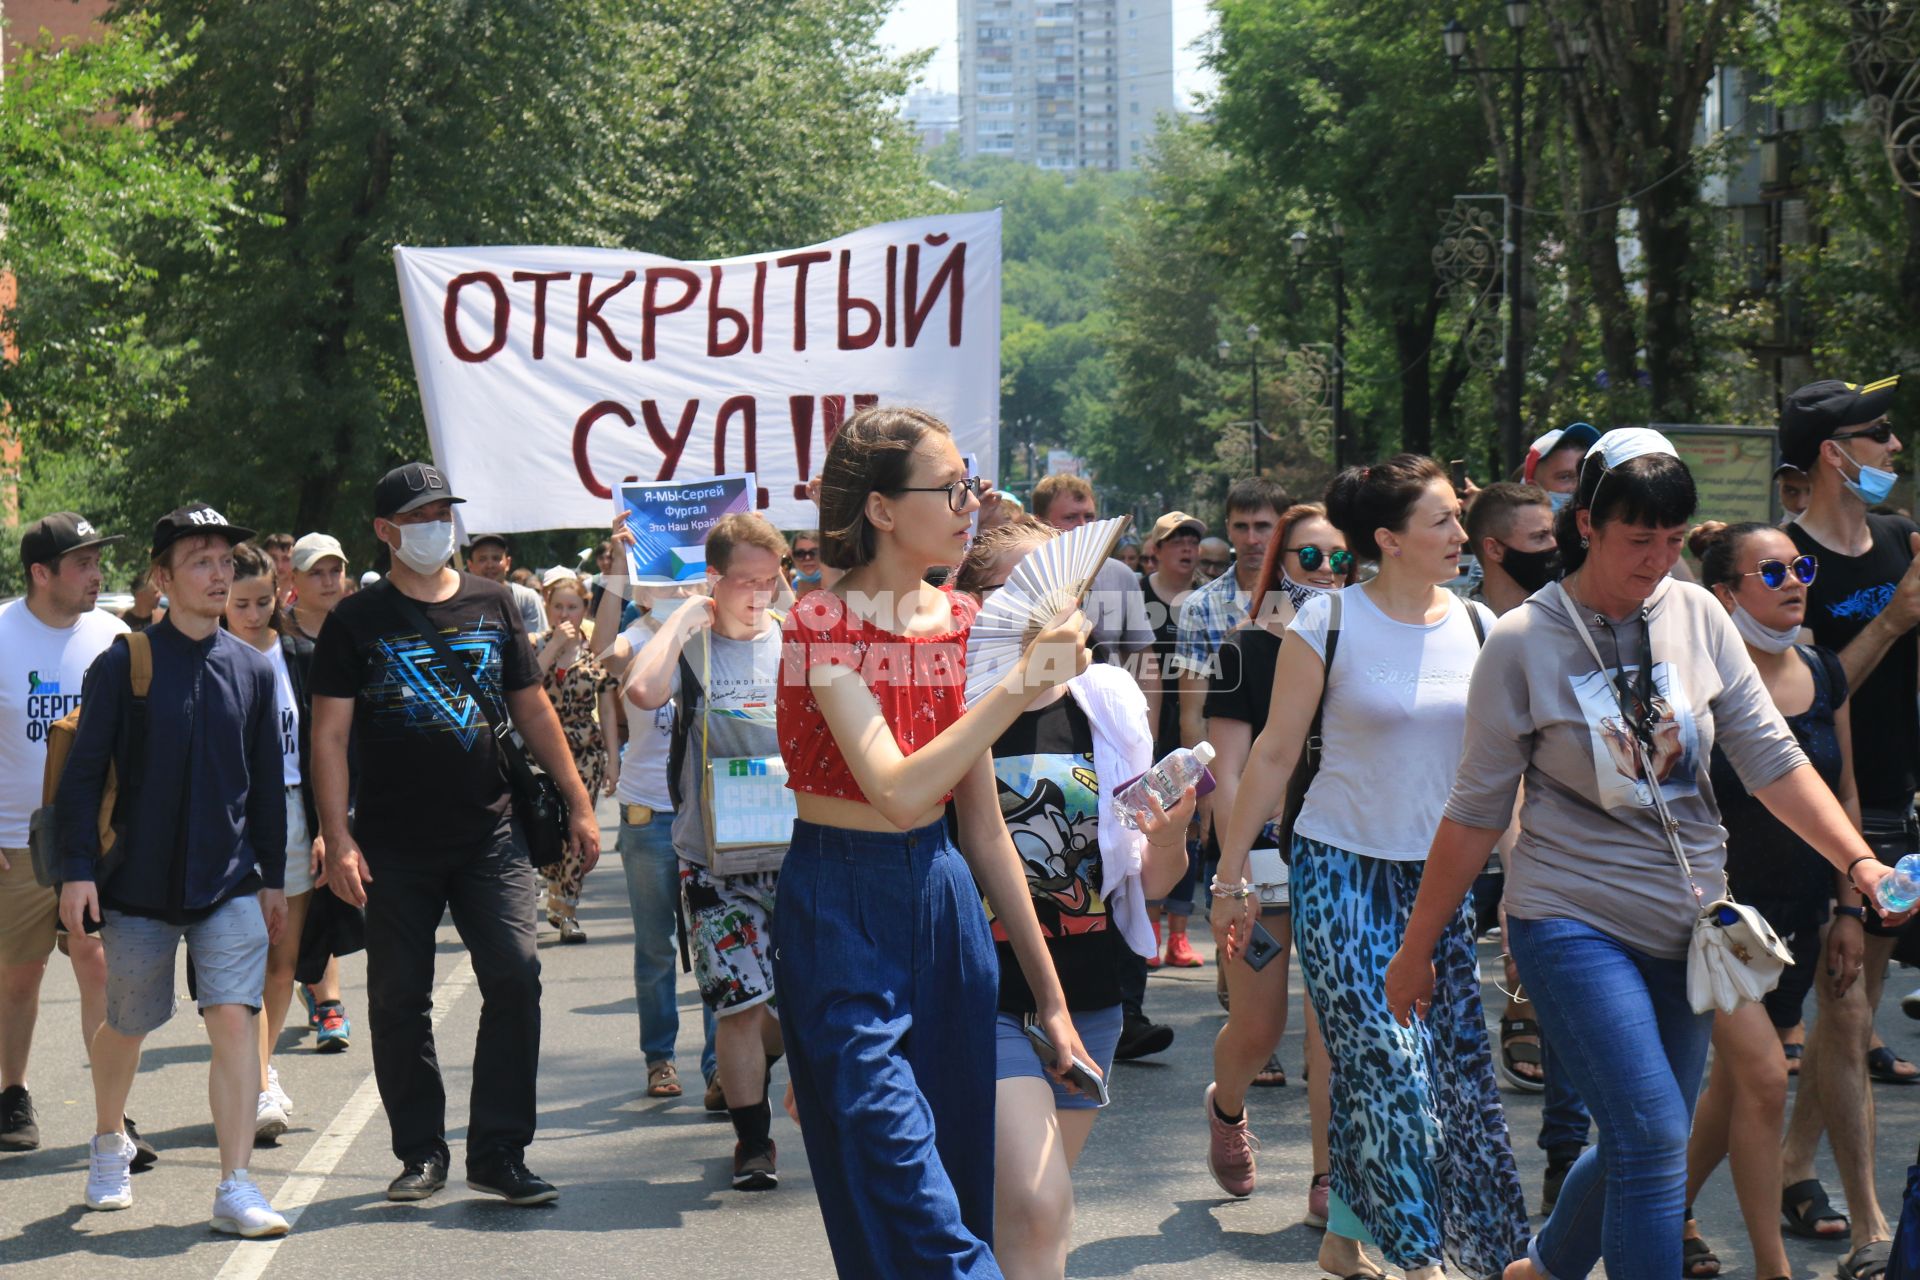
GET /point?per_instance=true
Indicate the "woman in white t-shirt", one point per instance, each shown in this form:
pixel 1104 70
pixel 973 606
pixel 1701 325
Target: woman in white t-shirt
pixel 1421 1162
pixel 254 616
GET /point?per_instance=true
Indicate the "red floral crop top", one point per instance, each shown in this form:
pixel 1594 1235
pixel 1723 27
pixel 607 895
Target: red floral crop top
pixel 919 682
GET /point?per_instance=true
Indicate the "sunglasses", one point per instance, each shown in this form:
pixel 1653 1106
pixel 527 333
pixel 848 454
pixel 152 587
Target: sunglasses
pixel 956 492
pixel 1774 572
pixel 1311 558
pixel 1212 564
pixel 1879 432
pixel 811 553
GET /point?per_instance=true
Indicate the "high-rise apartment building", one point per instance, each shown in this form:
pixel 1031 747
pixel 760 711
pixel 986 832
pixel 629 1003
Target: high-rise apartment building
pixel 1064 84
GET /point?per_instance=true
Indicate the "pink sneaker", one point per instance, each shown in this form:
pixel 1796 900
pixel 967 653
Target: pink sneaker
pixel 1317 1199
pixel 1230 1149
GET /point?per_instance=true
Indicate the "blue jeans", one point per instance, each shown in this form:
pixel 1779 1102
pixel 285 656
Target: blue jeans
pixel 1635 1050
pixel 1564 1121
pixel 888 981
pixel 653 895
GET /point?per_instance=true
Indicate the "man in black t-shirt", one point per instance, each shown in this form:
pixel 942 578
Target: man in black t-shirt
pixel 430 831
pixel 1863 604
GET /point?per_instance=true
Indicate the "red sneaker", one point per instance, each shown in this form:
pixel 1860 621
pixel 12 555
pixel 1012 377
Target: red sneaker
pixel 1180 952
pixel 1153 961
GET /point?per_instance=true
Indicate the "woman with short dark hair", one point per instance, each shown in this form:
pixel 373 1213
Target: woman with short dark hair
pixel 1599 912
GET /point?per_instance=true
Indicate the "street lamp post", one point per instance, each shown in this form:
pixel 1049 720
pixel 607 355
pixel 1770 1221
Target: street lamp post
pixel 1338 265
pixel 1454 39
pixel 1253 371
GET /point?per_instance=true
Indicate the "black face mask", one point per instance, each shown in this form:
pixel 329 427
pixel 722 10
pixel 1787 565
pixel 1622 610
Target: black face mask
pixel 1531 569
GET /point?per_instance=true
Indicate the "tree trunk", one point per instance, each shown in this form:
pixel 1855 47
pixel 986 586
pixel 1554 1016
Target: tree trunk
pixel 1666 237
pixel 1413 350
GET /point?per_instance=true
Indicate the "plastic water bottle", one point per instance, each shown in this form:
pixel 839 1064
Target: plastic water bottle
pixel 1899 891
pixel 1167 780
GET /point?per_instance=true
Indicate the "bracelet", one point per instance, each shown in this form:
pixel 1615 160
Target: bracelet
pixel 1856 862
pixel 1858 913
pixel 1238 892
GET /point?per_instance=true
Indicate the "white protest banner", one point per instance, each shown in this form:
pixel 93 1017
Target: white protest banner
pixel 550 375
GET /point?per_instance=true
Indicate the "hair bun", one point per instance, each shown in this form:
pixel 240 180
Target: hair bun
pixel 1704 535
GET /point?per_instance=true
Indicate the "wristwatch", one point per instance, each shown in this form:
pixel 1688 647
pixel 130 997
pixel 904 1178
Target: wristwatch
pixel 1858 913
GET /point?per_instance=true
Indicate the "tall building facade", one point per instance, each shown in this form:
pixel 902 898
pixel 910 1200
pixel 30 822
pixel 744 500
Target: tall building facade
pixel 1064 84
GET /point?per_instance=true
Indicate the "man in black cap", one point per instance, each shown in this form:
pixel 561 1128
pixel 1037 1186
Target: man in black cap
pixel 1864 605
pixel 491 556
pixel 430 830
pixel 47 642
pixel 201 855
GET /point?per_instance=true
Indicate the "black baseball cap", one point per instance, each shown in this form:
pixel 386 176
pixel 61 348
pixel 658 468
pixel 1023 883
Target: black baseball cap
pixel 191 521
pixel 500 538
pixel 409 486
pixel 52 536
pixel 1818 411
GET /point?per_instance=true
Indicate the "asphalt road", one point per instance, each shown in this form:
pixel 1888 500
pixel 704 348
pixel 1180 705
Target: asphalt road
pixel 644 1182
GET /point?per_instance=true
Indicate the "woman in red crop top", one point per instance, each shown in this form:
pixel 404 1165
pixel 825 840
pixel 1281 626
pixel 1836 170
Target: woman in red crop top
pixel 882 955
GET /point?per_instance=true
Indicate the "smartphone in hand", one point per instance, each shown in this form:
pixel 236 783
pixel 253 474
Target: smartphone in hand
pixel 1457 472
pixel 1081 1074
pixel 1262 947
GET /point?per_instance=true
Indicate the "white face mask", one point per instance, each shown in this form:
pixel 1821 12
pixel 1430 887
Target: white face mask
pixel 424 548
pixel 1761 636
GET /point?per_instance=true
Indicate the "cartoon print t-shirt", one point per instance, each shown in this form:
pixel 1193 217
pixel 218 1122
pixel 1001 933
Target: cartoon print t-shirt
pixel 1050 798
pixel 431 776
pixel 1847 594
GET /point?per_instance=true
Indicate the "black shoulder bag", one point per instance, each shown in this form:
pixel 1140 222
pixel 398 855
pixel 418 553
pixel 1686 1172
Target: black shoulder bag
pixel 537 804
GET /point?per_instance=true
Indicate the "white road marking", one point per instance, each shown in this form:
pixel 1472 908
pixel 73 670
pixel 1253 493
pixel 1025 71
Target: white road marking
pixel 251 1257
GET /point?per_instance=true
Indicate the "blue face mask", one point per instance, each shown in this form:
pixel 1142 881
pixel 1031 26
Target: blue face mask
pixel 1558 501
pixel 1873 486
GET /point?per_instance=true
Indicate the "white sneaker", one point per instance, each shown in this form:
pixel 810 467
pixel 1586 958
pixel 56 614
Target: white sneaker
pixel 1910 1004
pixel 269 1121
pixel 240 1209
pixel 278 1094
pixel 110 1172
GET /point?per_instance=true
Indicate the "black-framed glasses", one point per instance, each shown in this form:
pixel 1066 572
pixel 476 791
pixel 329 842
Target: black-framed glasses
pixel 1879 432
pixel 811 553
pixel 1311 557
pixel 956 491
pixel 1773 573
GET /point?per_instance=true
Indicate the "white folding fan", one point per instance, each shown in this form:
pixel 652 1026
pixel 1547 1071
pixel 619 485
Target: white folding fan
pixel 1056 575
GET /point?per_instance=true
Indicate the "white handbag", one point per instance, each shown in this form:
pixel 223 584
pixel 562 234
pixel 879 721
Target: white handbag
pixel 1267 872
pixel 1735 956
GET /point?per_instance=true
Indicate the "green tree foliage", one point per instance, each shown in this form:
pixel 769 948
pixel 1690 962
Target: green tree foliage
pixel 689 128
pixel 81 182
pixel 1054 377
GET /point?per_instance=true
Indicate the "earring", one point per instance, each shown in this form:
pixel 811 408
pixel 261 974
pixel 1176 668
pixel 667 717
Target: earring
pixel 1396 551
pixel 1583 544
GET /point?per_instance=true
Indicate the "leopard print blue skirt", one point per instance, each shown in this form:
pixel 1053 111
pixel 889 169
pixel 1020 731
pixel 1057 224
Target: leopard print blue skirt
pixel 1420 1152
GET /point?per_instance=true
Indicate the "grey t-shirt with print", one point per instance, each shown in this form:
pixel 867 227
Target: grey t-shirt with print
pixel 1590 844
pixel 742 682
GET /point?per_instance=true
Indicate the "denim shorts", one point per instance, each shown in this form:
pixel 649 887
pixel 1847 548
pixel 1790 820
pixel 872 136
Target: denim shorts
pixel 228 949
pixel 1015 1056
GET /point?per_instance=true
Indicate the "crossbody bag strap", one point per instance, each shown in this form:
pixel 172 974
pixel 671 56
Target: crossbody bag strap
pixel 1332 643
pixel 1667 824
pixel 502 730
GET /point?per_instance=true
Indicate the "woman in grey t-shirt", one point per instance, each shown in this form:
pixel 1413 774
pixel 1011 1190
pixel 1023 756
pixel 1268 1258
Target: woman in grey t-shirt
pixel 1599 914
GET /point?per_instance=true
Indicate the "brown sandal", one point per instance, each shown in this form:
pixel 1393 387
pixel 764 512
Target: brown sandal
pixel 663 1081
